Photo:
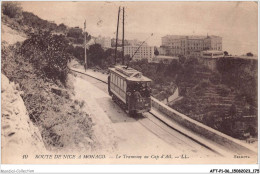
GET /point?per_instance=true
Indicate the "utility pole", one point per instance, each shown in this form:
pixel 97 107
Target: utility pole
pixel 123 40
pixel 85 65
pixel 117 32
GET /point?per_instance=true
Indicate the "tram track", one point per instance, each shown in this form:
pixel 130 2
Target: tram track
pixel 182 133
pixel 163 125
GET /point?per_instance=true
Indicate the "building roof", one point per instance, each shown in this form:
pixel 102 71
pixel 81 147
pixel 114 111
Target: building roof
pixel 190 36
pixel 174 36
pixel 129 73
pixel 196 37
pixel 136 46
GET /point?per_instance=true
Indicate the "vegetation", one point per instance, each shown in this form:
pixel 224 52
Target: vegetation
pixel 49 106
pixel 240 74
pixel 156 52
pixel 222 98
pixel 48 54
pixel 225 53
pixel 11 9
pixel 96 56
pixel 39 66
pixel 76 35
pixel 249 54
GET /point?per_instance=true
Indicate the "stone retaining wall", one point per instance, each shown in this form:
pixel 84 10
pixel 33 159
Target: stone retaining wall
pixel 203 130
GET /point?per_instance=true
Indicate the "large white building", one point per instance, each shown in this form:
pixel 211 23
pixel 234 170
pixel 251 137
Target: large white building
pixel 190 45
pixel 144 52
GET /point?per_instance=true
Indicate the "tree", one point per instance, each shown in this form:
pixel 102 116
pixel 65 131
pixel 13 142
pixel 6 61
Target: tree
pixel 75 33
pixel 127 59
pixel 182 59
pixel 96 54
pixel 11 9
pixel 173 68
pixel 156 52
pixel 225 53
pixel 249 54
pixel 62 28
pixel 48 54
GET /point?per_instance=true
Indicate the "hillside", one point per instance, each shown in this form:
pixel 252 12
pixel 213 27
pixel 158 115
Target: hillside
pixel 38 63
pixel 29 23
pixel 223 99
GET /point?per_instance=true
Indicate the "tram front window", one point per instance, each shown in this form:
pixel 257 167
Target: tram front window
pixel 142 87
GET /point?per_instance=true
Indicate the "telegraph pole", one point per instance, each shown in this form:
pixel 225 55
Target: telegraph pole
pixel 85 65
pixel 117 32
pixel 123 40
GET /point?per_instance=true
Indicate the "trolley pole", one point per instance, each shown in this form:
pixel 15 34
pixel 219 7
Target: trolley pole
pixel 117 33
pixel 85 65
pixel 123 40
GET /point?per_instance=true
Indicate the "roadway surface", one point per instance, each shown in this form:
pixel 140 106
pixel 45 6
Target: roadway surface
pixel 140 135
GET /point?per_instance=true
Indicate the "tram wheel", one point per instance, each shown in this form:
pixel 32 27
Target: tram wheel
pixel 113 97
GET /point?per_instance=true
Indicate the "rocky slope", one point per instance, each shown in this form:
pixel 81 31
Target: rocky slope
pixel 19 135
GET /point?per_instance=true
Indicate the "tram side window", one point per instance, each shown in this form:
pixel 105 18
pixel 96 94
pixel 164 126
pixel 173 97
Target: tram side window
pixel 124 86
pixel 117 80
pixel 114 78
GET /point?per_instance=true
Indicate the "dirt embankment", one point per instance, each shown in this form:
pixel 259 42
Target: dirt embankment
pixel 11 36
pixel 19 135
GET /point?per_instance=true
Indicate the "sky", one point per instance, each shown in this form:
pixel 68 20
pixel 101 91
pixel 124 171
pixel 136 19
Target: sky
pixel 235 22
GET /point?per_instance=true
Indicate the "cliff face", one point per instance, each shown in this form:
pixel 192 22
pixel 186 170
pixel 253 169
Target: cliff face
pixel 19 135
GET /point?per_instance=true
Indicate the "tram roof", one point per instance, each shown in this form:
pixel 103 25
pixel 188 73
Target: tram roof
pixel 129 73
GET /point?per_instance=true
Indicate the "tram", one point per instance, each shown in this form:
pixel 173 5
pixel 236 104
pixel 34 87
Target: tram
pixel 130 89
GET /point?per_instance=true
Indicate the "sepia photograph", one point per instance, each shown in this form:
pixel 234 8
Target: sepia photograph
pixel 109 82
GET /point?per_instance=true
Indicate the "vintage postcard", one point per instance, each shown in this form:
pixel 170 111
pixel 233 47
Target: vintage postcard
pixel 129 82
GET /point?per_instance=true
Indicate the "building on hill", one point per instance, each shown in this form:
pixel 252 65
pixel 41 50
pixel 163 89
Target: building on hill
pixel 175 45
pixel 144 52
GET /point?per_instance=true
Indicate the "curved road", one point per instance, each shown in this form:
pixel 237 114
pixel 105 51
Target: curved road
pixel 143 134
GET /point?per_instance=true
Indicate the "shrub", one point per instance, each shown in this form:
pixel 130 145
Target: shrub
pixel 11 9
pixel 48 53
